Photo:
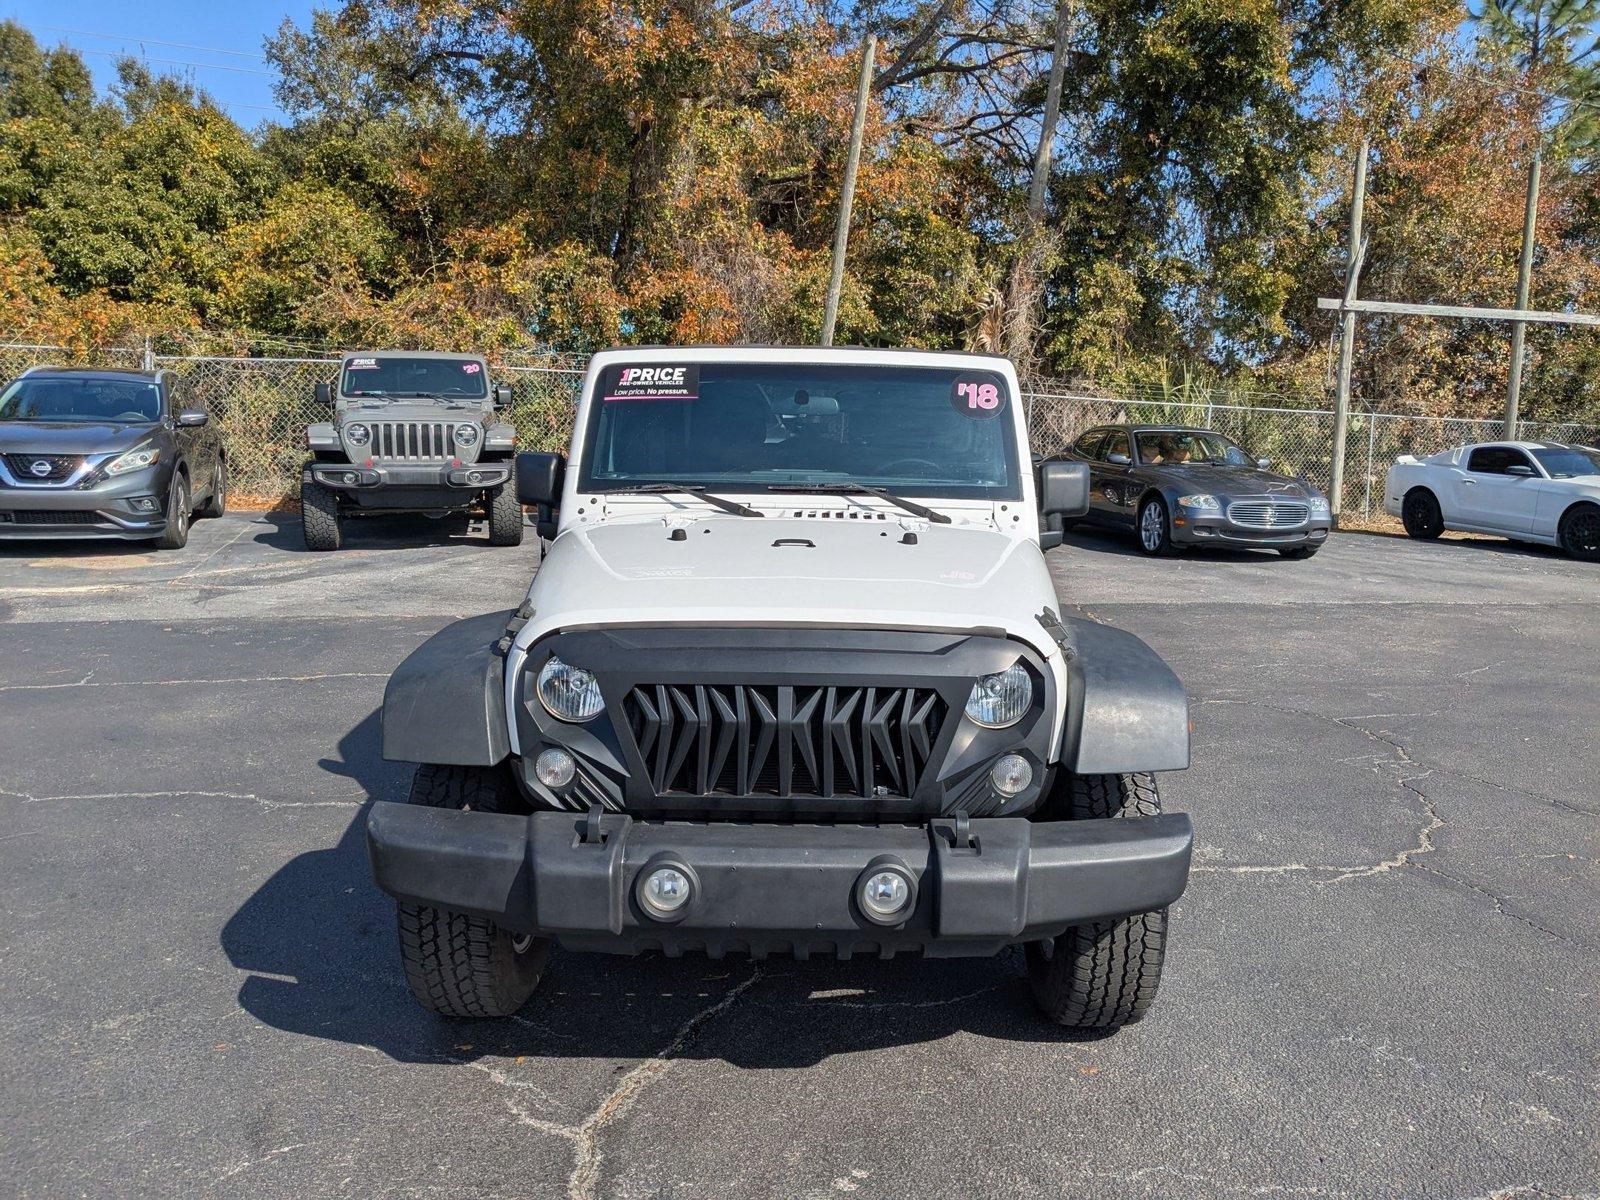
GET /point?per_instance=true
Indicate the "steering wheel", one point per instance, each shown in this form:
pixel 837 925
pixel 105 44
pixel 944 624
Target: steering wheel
pixel 889 467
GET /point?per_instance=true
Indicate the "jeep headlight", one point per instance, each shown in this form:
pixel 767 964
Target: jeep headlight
pixel 357 434
pixel 569 693
pixel 1319 506
pixel 134 460
pixel 1202 501
pixel 466 435
pixel 1000 700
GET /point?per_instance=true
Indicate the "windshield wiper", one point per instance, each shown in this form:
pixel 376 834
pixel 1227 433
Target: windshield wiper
pixel 864 489
pixel 691 489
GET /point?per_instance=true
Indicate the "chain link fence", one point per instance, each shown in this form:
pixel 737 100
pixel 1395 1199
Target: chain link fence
pixel 263 405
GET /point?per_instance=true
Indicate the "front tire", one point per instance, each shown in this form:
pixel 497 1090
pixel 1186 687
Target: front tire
pixel 179 513
pixel 1105 974
pixel 1420 514
pixel 319 517
pixel 1155 528
pixel 505 516
pixel 459 965
pixel 1579 532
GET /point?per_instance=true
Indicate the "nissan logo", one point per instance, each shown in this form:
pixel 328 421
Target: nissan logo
pixel 40 467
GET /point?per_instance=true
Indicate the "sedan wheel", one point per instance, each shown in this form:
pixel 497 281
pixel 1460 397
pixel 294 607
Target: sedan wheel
pixel 1580 532
pixel 1155 533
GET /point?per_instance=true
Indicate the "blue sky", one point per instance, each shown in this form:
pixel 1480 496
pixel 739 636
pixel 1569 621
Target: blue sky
pixel 216 45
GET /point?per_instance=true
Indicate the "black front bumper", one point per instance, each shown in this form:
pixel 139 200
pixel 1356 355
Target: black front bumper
pixel 784 889
pixel 464 477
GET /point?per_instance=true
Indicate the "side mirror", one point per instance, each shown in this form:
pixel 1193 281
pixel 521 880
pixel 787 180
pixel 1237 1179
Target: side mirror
pixel 1263 464
pixel 324 393
pixel 1119 459
pixel 502 395
pixel 192 418
pixel 539 477
pixel 1064 488
pixel 1521 469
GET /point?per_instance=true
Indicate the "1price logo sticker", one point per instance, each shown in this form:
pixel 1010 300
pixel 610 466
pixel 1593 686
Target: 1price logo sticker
pixel 977 397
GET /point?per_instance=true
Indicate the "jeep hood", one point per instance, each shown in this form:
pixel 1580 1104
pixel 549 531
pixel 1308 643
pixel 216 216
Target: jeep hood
pixel 775 571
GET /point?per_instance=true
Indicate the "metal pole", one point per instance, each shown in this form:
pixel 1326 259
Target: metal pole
pixel 841 231
pixel 1347 332
pixel 1524 278
pixel 1372 435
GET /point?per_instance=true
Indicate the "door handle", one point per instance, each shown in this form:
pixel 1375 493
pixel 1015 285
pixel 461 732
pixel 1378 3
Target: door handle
pixel 1469 483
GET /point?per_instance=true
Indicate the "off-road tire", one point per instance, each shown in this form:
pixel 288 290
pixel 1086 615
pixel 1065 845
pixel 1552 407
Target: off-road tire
pixel 319 517
pixel 1420 514
pixel 1299 551
pixel 1104 974
pixel 217 503
pixel 505 516
pixel 179 514
pixel 1579 532
pixel 1159 542
pixel 459 965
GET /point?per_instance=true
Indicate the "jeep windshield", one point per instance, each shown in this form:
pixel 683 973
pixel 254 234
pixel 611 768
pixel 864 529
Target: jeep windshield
pixel 44 398
pixel 781 427
pixel 399 378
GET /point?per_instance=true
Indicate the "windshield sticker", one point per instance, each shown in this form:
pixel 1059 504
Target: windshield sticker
pixel 470 368
pixel 977 397
pixel 652 383
pixel 362 364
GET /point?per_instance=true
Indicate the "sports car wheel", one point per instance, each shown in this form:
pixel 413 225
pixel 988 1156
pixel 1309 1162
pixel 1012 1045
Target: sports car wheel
pixel 1580 532
pixel 1420 514
pixel 1155 528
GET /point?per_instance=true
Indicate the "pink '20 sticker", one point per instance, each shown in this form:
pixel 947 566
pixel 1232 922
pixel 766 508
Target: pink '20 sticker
pixel 978 397
pixel 470 368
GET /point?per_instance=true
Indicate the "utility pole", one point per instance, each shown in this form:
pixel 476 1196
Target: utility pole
pixel 1524 278
pixel 1347 329
pixel 841 231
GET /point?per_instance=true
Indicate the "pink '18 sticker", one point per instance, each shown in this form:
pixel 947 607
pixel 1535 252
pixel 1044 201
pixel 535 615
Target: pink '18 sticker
pixel 978 398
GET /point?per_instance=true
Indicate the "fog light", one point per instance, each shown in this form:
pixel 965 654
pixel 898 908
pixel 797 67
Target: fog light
pixel 350 477
pixel 885 895
pixel 665 891
pixel 144 503
pixel 554 767
pixel 474 476
pixel 1010 774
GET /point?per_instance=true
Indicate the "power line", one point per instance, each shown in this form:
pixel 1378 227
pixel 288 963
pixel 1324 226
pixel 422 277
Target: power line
pixel 117 37
pixel 178 62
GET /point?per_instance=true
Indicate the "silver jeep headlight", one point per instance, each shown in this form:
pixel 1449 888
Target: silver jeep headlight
pixel 134 460
pixel 569 693
pixel 357 434
pixel 466 435
pixel 1000 700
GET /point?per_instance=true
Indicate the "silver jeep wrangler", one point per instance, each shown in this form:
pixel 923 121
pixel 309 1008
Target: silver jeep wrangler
pixel 411 432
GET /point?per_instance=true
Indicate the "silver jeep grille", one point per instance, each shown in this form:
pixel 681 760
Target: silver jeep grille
pixel 1269 514
pixel 412 441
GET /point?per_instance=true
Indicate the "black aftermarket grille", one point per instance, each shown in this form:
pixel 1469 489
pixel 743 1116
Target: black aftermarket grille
pixel 784 741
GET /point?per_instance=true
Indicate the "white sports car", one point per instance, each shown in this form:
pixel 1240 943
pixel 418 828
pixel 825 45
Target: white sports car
pixel 1528 491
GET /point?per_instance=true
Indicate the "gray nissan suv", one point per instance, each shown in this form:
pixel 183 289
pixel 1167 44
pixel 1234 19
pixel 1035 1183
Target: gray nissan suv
pixel 106 454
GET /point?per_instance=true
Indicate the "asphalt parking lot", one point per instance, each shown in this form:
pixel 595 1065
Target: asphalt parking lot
pixel 1382 980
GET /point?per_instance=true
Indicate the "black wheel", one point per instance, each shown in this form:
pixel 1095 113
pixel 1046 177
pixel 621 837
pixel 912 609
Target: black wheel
pixel 505 516
pixel 1579 532
pixel 1299 551
pixel 1420 514
pixel 458 965
pixel 1105 974
pixel 179 513
pixel 1155 528
pixel 217 503
pixel 319 517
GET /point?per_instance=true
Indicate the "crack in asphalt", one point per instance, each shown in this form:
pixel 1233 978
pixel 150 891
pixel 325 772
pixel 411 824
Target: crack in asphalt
pixel 28 798
pixel 587 1159
pixel 1500 902
pixel 111 683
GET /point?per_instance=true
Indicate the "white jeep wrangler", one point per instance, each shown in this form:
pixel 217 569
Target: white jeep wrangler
pixel 791 679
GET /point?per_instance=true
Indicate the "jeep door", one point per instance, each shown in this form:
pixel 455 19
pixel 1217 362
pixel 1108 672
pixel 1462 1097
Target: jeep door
pixel 1498 489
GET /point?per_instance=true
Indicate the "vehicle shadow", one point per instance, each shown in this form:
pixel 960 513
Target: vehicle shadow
pixel 400 531
pixel 1118 544
pixel 318 942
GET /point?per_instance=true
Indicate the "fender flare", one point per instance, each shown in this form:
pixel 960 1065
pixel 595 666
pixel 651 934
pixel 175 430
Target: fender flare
pixel 1126 709
pixel 446 702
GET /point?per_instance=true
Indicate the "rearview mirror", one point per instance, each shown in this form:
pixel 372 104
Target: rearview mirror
pixel 502 395
pixel 1520 469
pixel 192 418
pixel 1118 458
pixel 539 477
pixel 324 393
pixel 1064 488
